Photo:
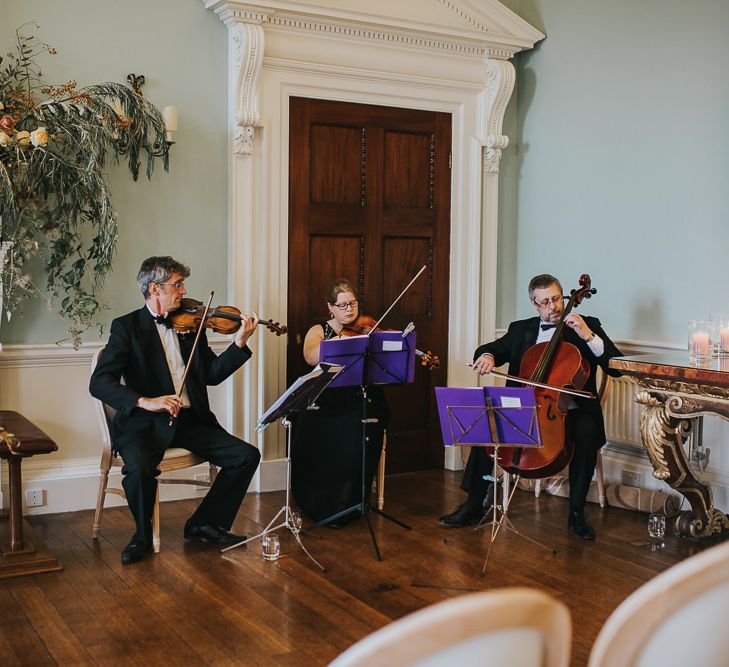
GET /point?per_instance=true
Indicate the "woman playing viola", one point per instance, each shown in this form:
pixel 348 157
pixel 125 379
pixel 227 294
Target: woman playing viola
pixel 326 475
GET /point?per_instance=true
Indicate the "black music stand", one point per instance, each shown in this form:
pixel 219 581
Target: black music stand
pixel 381 357
pixel 492 417
pixel 299 396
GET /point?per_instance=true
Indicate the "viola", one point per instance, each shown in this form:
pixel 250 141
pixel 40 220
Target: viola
pixel 555 365
pixel 221 319
pixel 364 324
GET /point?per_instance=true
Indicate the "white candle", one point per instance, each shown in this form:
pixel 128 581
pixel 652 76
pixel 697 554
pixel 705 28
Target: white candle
pixel 701 344
pixel 724 337
pixel 170 117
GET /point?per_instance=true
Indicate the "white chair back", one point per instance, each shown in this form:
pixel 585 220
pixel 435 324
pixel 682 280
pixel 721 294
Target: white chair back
pixel 519 627
pixel 677 618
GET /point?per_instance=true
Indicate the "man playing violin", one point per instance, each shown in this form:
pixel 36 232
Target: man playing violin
pixel 139 374
pixel 584 419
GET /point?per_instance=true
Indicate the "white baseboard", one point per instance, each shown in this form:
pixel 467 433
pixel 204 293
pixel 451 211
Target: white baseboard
pixel 73 484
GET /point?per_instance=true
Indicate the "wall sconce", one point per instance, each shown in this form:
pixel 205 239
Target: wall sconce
pixel 169 115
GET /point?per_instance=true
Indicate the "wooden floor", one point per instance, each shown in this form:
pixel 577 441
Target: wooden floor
pixel 191 605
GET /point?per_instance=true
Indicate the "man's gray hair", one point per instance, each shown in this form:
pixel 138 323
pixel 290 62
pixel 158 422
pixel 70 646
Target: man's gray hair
pixel 541 281
pixel 159 270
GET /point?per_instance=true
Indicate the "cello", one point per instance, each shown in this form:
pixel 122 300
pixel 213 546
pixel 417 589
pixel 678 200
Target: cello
pixel 558 367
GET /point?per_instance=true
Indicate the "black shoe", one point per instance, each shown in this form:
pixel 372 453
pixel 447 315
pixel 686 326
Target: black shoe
pixel 135 550
pixel 209 533
pixel 465 515
pixel 577 522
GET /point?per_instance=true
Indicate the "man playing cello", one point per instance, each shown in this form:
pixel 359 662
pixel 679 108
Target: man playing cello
pixel 584 419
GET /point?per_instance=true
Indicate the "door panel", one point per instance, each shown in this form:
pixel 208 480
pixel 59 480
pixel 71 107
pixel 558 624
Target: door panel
pixel 369 201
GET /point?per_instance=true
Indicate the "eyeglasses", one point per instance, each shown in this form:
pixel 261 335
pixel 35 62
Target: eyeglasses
pixel 178 285
pixel 544 303
pixel 347 304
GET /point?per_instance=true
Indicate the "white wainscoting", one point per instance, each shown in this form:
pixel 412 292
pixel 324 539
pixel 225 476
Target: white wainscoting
pixel 49 385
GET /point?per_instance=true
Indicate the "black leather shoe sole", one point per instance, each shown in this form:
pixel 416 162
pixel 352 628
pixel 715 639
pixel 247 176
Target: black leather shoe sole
pixel 134 552
pixel 463 516
pixel 212 535
pixel 583 530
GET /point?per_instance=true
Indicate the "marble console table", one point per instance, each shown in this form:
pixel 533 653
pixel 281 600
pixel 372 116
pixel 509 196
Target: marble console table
pixel 674 391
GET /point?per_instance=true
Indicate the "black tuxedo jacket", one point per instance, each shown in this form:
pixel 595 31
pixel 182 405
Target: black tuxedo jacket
pixel 522 334
pixel 133 364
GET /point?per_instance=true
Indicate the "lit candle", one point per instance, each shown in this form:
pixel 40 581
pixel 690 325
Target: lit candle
pixel 701 344
pixel 169 114
pixel 724 337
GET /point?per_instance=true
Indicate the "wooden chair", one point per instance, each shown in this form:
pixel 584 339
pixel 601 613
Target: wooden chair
pixel 603 388
pixel 175 458
pixel 677 618
pixel 519 627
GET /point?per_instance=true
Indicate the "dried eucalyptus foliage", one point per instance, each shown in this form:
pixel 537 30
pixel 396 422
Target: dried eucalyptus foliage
pixel 55 204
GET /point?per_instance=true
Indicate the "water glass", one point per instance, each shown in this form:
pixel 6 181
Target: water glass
pixel 657 526
pixel 699 339
pixel 271 546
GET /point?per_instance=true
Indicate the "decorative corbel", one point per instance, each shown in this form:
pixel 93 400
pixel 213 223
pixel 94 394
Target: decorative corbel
pixel 247 43
pixel 500 77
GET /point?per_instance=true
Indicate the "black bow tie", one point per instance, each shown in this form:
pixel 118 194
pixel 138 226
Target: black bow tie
pixel 546 327
pixel 165 321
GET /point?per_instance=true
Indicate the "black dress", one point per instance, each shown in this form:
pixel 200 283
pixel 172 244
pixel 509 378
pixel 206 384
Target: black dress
pixel 326 451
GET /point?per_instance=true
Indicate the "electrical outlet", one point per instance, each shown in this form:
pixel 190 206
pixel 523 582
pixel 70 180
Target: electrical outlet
pixel 631 477
pixel 35 497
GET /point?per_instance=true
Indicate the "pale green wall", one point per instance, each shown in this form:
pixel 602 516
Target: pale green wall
pixel 181 48
pixel 621 161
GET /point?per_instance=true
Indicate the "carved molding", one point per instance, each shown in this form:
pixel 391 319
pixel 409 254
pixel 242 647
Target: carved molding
pixel 476 40
pixel 500 79
pixel 247 42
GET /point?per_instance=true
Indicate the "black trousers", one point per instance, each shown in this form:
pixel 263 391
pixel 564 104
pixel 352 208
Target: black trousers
pixel 143 452
pixel 586 433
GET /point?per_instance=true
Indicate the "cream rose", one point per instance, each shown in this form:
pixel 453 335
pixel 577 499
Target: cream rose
pixel 39 136
pixel 4 139
pixel 22 138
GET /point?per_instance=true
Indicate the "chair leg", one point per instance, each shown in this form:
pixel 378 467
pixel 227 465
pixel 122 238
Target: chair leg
pixel 155 523
pixel 103 482
pixel 600 480
pixel 381 474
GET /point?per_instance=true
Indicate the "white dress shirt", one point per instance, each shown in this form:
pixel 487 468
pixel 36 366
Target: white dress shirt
pixel 171 345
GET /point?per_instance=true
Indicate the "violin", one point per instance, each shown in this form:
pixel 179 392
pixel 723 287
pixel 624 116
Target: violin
pixel 221 319
pixel 364 324
pixel 560 369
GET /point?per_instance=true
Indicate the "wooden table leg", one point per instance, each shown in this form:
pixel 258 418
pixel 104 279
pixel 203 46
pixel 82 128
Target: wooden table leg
pixel 17 554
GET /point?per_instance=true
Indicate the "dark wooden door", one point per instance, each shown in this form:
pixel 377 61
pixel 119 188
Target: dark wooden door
pixel 369 200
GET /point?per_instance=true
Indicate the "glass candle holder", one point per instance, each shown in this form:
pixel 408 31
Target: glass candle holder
pixel 720 334
pixel 699 339
pixel 270 546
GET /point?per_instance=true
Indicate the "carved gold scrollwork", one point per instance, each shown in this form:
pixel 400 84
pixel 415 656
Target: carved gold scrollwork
pixel 657 432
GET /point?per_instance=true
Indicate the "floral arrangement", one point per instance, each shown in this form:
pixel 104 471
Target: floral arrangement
pixel 55 204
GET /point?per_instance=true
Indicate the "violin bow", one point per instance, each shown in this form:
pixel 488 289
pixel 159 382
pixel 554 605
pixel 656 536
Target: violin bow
pixel 192 352
pixel 399 296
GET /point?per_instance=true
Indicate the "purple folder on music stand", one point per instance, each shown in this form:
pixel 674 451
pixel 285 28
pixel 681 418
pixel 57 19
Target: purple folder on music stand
pixel 348 352
pixel 488 416
pixel 392 358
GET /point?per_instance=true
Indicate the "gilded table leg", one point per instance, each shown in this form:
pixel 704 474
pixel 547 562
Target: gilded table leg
pixel 664 432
